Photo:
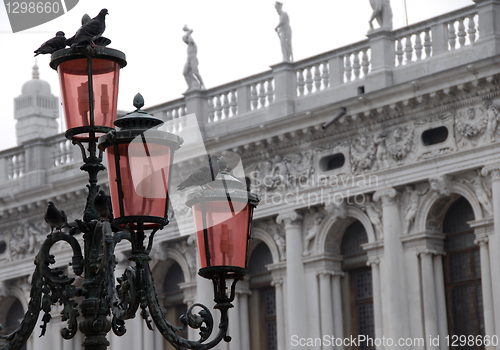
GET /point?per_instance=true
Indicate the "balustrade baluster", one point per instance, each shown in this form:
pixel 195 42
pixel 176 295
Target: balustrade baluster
pixel 10 167
pixel 356 66
pixel 451 35
pixel 400 52
pixel 418 46
pixel 364 62
pixel 326 75
pixel 225 106
pixel 300 81
pixel 427 43
pixel 233 103
pixel 472 30
pixel 348 68
pixel 270 91
pixel 253 96
pixel 20 164
pixel 218 108
pixel 262 94
pixel 317 77
pixel 461 32
pixel 309 80
pixel 408 49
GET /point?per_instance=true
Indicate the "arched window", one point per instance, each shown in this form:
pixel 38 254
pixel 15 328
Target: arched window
pixel 462 272
pixel 262 301
pixel 359 278
pixel 173 298
pixel 14 317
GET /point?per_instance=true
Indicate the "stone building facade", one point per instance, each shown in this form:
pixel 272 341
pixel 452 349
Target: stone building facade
pixel 386 224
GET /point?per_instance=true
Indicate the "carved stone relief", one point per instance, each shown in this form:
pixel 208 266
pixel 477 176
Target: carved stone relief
pixel 374 213
pixel 277 233
pixel 382 150
pixel 482 188
pixel 470 126
pixel 411 201
pixel 441 184
pixel 281 172
pixel 312 221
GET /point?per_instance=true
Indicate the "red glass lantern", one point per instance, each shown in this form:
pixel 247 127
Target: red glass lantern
pixel 89 88
pixel 223 219
pixel 139 162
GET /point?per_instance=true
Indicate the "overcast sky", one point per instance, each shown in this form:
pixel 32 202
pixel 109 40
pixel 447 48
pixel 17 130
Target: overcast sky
pixel 235 39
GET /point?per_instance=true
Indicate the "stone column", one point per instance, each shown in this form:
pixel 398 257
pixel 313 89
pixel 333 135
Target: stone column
pixel 243 293
pixel 280 314
pixel 326 298
pixel 489 318
pixel 393 274
pixel 494 239
pixel 429 296
pixel 297 325
pixel 377 299
pixel 234 329
pixel 338 324
pixel 441 301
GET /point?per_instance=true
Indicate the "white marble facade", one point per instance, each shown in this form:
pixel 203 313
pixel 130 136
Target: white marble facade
pixel 415 155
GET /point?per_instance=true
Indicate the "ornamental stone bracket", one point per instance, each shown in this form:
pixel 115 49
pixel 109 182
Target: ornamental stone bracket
pixel 493 170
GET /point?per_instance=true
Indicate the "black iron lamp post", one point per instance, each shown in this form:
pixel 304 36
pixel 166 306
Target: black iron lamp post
pixel 139 159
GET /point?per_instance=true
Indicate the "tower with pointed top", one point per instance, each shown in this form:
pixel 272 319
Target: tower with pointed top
pixel 35 110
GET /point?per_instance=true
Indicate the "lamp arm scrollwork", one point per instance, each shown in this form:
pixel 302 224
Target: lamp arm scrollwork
pixel 203 320
pixel 49 286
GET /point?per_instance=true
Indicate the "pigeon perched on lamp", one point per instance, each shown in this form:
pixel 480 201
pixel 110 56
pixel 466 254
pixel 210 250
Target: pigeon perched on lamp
pixel 102 204
pixel 55 218
pixel 90 31
pixel 52 45
pixel 205 174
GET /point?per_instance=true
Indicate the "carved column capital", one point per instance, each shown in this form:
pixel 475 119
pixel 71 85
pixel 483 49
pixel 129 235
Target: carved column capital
pixel 278 282
pixel 290 218
pixel 430 252
pixel 373 262
pixel 493 169
pixel 482 240
pixel 325 273
pixel 389 196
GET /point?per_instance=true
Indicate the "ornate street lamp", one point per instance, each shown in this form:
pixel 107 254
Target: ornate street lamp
pixel 139 158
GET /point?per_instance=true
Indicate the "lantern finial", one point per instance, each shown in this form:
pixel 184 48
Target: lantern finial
pixel 138 101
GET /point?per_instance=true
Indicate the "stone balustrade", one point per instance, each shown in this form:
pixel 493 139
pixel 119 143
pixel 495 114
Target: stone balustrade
pixel 12 164
pixel 442 34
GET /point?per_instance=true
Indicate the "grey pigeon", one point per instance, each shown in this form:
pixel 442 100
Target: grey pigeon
pixel 52 45
pixel 55 218
pixel 102 203
pixel 202 176
pixel 89 31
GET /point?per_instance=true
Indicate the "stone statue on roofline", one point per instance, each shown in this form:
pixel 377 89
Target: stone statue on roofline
pixel 191 73
pixel 382 12
pixel 284 32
